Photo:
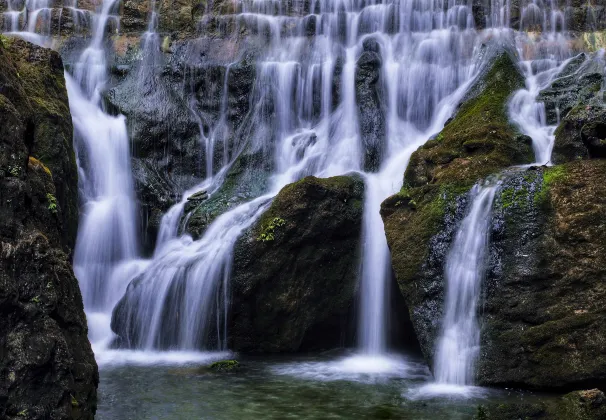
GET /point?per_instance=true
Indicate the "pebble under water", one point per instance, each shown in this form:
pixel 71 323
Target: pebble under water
pixel 304 387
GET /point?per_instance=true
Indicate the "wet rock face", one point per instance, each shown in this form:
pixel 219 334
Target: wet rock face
pixel 582 133
pixel 543 319
pixel 295 272
pixel 578 82
pixel 47 368
pixel 182 108
pixel 370 108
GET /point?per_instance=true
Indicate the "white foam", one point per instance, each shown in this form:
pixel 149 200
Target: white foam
pixel 113 358
pixel 357 368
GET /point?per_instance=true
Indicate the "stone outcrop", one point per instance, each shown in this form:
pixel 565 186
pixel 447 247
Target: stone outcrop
pixel 47 367
pixel 295 272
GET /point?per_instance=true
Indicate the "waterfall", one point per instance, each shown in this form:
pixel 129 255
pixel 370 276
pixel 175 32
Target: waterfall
pixel 308 119
pixel 106 247
pixel 429 55
pixel 459 343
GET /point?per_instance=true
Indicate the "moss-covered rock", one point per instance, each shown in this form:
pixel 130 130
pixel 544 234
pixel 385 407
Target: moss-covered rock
pixel 577 405
pixel 224 366
pixel 295 272
pixel 421 219
pixel 47 367
pixel 36 90
pixel 543 317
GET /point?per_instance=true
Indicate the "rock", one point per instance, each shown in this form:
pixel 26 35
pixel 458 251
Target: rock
pixel 543 319
pixel 577 405
pixel 370 107
pixel 224 366
pixel 421 219
pixel 246 179
pixel 582 133
pixel 578 82
pixel 295 272
pixel 47 367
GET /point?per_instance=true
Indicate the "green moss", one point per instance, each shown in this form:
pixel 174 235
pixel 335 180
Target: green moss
pixel 52 203
pixel 514 197
pixel 224 366
pixel 550 176
pixel 268 231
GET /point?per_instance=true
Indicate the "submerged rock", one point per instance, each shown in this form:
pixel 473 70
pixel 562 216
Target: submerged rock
pixel 577 405
pixel 47 367
pixel 295 272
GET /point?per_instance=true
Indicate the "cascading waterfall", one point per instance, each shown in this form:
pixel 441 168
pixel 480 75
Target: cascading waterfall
pixel 307 121
pixel 106 247
pixel 429 55
pixel 459 344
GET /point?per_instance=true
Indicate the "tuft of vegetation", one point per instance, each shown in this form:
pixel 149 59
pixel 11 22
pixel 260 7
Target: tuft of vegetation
pixel 550 176
pixel 269 230
pixel 52 203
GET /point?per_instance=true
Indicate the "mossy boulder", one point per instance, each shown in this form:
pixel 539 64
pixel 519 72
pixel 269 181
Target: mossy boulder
pixel 543 320
pixel 47 367
pixel 295 271
pixel 421 219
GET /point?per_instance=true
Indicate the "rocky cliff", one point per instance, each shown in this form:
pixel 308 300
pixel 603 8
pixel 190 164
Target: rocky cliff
pixel 47 367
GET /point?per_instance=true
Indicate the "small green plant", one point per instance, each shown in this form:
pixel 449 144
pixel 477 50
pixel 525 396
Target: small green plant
pixel 14 170
pixel 22 413
pixel 269 231
pixel 52 203
pixel 36 299
pixel 74 401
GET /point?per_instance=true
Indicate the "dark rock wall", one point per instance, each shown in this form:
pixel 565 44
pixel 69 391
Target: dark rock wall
pixel 47 367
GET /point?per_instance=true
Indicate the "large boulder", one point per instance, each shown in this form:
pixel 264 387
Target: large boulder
pixel 47 367
pixel 543 314
pixel 420 221
pixel 295 272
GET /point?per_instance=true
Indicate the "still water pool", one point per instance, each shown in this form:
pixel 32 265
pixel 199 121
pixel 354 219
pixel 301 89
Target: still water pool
pixel 328 386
